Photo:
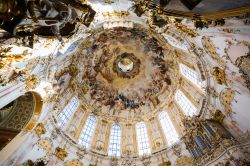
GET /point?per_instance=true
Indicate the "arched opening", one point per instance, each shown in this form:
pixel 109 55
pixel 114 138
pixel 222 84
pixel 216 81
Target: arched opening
pixel 22 113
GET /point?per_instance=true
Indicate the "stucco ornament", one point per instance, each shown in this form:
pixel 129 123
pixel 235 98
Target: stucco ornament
pixel 61 153
pixel 186 30
pixel 128 161
pixel 226 98
pixel 46 145
pixel 114 161
pixel 40 129
pixel 146 160
pixel 219 75
pixel 165 163
pixel 10 75
pixel 218 116
pixel 7 58
pixel 184 161
pixel 177 150
pixel 244 64
pixel 211 51
pixel 31 82
pixel 74 162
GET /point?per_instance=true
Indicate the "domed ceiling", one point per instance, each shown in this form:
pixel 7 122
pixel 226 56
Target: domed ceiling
pixel 127 72
pixel 121 85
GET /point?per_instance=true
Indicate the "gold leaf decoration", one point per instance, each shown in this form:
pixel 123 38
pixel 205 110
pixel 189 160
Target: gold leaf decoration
pixel 40 129
pixel 61 153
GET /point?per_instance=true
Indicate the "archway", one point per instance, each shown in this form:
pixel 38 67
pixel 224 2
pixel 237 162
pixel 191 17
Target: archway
pixel 19 114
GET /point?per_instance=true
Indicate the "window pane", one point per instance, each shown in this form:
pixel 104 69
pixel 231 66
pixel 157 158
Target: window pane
pixel 115 141
pixel 142 138
pixel 65 115
pixel 168 128
pixel 88 131
pixel 192 76
pixel 187 107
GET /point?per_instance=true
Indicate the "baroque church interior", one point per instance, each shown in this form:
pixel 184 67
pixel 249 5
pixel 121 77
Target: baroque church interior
pixel 124 82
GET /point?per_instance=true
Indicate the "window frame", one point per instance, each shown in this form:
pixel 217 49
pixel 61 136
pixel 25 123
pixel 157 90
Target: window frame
pixel 67 113
pixel 192 76
pixel 88 131
pixel 168 128
pixel 185 104
pixel 115 140
pixel 142 138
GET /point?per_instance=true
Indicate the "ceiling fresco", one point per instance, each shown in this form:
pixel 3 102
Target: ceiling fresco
pixel 119 82
pixel 127 69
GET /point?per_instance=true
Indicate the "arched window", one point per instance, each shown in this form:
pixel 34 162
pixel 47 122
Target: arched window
pixel 187 107
pixel 192 76
pixel 168 128
pixel 115 141
pixel 65 115
pixel 142 139
pixel 88 131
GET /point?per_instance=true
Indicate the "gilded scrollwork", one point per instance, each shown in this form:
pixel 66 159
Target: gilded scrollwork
pixel 211 51
pixel 226 98
pixel 166 163
pixel 40 129
pixel 184 161
pixel 212 91
pixel 7 58
pixel 177 150
pixel 218 116
pixel 186 30
pixel 46 145
pixel 10 75
pixel 244 65
pixel 114 161
pixel 74 162
pixel 31 82
pixel 60 153
pixel 219 75
pixel 121 14
pixel 146 160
